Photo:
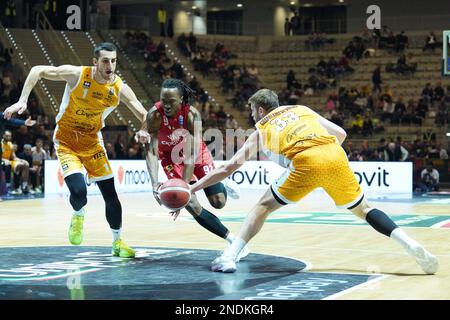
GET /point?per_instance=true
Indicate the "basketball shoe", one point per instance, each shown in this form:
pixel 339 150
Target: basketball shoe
pixel 76 229
pixel 244 252
pixel 223 263
pixel 426 260
pixel 121 249
pixel 232 188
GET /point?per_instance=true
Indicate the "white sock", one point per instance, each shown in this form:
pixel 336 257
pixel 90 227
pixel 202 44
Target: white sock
pixel 79 212
pixel 235 248
pixel 24 185
pixel 403 239
pixel 230 238
pixel 115 234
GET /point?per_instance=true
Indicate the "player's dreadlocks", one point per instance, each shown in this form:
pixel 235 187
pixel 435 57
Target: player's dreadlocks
pixel 185 91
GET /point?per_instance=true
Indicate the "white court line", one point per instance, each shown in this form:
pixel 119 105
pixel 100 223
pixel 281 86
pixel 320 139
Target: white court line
pixel 339 294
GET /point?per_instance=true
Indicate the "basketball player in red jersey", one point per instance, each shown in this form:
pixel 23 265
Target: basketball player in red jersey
pixel 170 123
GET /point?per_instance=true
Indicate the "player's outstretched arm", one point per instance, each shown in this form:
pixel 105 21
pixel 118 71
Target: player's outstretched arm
pixel 151 155
pixel 67 73
pixel 246 152
pixel 131 101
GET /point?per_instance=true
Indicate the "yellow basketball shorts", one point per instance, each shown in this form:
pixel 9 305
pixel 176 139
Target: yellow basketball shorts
pixel 323 166
pixel 95 161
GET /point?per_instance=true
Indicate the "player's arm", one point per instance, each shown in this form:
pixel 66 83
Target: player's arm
pixel 131 101
pixel 67 73
pixel 246 152
pixel 333 129
pixel 192 143
pixel 151 155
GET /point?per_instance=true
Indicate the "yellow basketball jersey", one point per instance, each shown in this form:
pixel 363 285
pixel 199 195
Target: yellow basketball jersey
pixel 288 130
pixel 84 108
pixel 7 148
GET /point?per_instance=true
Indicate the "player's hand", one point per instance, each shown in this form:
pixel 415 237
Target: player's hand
pixel 156 192
pixel 142 137
pixel 175 214
pixel 6 162
pixel 19 107
pixel 30 122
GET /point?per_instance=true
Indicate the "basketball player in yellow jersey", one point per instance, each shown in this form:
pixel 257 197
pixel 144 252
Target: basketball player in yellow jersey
pixel 91 94
pixel 308 146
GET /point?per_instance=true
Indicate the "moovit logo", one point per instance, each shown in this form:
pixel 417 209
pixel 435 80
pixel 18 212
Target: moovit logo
pixel 373 178
pixel 137 177
pixel 254 177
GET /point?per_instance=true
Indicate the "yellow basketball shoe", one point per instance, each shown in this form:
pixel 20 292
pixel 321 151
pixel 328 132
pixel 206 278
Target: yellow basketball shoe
pixel 121 249
pixel 76 230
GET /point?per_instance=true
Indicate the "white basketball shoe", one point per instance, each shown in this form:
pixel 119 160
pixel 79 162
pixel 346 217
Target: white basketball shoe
pixel 223 263
pixel 232 188
pixel 428 262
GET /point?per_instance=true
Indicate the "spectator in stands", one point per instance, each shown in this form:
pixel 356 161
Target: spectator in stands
pixel 177 70
pixel 295 23
pixel 19 166
pixel 349 50
pixel 429 178
pixel 443 112
pixel 22 136
pixel 93 14
pixel 49 150
pixel 231 122
pixel 367 129
pixel 10 14
pixel 343 66
pixel 418 149
pixel 159 68
pixel 422 109
pixel 388 110
pixel 438 93
pixel 399 111
pixel 287 27
pixel 32 182
pixel 390 41
pixel 376 79
pixel 110 151
pixel 162 18
pixel 133 154
pixel 170 28
pixel 401 64
pixel 41 134
pixel 182 44
pixel 395 152
pixel 428 93
pixel 366 151
pixel 357 124
pixel 38 156
pixel 253 71
pixel 430 42
pixel 401 42
pixel 192 42
pixel 221 117
pixel 119 147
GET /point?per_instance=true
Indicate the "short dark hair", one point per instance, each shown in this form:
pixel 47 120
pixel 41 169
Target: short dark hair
pixel 265 98
pixel 185 91
pixel 107 46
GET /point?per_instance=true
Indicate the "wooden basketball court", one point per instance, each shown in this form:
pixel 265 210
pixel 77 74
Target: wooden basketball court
pixel 330 239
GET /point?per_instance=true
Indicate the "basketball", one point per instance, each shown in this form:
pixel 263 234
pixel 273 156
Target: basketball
pixel 174 194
